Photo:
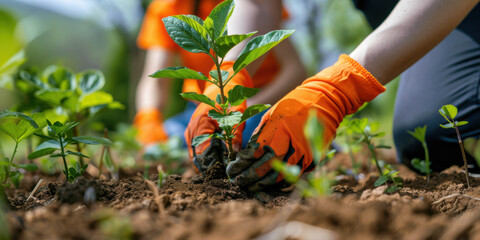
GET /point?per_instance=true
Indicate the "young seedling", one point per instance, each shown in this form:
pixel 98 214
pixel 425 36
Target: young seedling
pixel 77 97
pixel 18 131
pixel 58 139
pixel 449 112
pixel 389 175
pixel 422 165
pixel 210 36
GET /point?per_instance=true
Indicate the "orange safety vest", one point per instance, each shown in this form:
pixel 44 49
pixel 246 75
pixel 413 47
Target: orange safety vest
pixel 154 34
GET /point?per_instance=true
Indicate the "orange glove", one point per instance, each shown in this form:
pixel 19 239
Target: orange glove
pixel 333 93
pixel 209 152
pixel 149 123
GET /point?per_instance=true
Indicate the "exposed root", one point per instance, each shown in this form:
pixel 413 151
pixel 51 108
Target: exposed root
pixel 455 195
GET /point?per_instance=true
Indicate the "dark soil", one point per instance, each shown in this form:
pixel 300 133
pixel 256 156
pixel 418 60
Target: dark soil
pixel 213 208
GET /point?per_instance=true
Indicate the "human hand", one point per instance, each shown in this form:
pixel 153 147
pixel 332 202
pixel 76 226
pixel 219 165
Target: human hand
pixel 332 93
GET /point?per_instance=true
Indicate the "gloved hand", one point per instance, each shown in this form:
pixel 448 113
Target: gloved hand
pixel 149 123
pixel 209 152
pixel 333 93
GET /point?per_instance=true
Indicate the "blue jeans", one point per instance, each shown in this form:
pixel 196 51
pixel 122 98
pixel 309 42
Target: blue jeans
pixel 176 125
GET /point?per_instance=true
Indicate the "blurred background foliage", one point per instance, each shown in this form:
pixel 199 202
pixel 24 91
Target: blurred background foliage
pixel 100 34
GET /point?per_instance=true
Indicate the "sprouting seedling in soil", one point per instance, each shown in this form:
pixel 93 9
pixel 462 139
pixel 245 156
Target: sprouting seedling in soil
pixel 390 175
pixel 161 176
pixel 58 139
pixel 449 112
pixel 210 36
pixel 18 131
pixel 69 96
pixel 361 127
pixel 422 165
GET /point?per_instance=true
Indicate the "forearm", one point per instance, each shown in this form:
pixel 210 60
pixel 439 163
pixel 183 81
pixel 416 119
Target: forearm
pixel 291 74
pixel 411 31
pixel 153 92
pixel 249 16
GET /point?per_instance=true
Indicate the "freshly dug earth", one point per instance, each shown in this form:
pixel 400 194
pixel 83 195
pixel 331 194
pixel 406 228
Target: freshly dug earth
pixel 194 208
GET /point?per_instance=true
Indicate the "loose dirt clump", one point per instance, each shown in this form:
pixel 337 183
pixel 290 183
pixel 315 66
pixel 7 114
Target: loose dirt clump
pixel 214 208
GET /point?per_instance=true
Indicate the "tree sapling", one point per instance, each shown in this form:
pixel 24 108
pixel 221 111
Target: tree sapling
pixel 210 36
pixel 449 112
pixel 58 139
pixel 422 165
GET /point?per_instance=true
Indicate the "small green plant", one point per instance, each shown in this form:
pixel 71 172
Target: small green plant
pixel 58 139
pixel 210 36
pixel 422 165
pixel 362 127
pixel 18 131
pixel 449 112
pixel 389 175
pixel 63 95
pixel 161 176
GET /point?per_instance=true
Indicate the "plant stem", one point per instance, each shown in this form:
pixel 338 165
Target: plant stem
pixel 463 153
pixel 350 152
pixel 220 83
pixel 427 160
pixel 374 155
pixel 63 156
pixel 4 202
pixel 7 168
pixel 79 148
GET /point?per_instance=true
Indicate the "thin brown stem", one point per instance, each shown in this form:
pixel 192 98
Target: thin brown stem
pixel 460 142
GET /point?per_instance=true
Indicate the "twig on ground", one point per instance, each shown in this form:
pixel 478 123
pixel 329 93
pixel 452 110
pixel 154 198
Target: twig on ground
pixel 35 189
pixel 156 197
pixel 455 195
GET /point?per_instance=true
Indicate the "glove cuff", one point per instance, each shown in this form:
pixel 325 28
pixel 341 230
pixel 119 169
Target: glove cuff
pixel 147 115
pixel 372 87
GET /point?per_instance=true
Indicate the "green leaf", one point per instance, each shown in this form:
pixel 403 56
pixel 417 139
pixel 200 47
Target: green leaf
pixel 419 133
pixel 13 62
pixel 11 129
pixel 216 22
pixel 28 167
pixel 63 129
pixel 420 165
pixel 186 36
pixel 91 81
pixel 93 140
pixel 60 77
pixel 259 46
pixel 76 154
pixel 53 96
pixel 448 125
pixel 238 94
pixel 95 99
pixel 381 180
pixel 41 153
pixel 253 110
pixel 219 99
pixel 32 79
pixel 179 72
pixel 200 139
pixel 196 23
pixel 198 97
pixel 449 112
pixel 225 43
pixel 461 123
pixel 7 113
pixel 227 121
pixel 214 75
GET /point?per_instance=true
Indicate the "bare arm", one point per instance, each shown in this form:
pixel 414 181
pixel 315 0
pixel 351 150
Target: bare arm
pixel 253 15
pixel 153 92
pixel 413 28
pixel 291 74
